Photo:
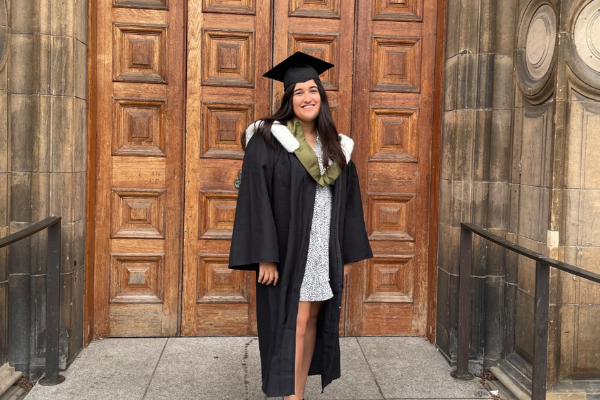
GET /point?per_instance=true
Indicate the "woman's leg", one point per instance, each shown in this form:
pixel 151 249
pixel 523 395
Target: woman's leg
pixel 301 324
pixel 310 338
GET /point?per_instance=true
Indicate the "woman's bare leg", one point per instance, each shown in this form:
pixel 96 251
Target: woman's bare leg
pixel 310 338
pixel 301 324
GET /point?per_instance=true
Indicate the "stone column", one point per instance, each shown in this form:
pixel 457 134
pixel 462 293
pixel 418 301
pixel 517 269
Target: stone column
pixel 45 80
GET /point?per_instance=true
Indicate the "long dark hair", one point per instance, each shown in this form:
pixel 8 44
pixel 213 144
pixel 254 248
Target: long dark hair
pixel 328 132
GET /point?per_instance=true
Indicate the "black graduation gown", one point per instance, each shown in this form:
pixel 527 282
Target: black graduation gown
pixel 272 224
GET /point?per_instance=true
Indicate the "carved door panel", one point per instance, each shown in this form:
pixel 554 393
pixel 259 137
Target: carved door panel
pixel 229 47
pixel 139 130
pixel 392 123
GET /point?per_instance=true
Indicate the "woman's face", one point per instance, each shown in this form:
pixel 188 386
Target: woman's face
pixel 306 100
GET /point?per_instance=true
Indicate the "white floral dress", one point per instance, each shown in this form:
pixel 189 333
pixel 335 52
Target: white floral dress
pixel 315 285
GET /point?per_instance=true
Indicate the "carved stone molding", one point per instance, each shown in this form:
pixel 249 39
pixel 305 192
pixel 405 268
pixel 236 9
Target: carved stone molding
pixel 585 46
pixel 536 49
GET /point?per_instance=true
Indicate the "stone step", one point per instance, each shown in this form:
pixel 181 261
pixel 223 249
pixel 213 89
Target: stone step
pixel 13 393
pixel 8 376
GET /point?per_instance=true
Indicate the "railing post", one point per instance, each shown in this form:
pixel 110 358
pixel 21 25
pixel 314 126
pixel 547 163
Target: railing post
pixel 464 306
pixel 52 305
pixel 540 339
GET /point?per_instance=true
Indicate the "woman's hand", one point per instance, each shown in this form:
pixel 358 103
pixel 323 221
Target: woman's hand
pixel 267 273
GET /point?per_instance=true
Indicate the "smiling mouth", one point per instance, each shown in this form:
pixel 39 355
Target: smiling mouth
pixel 309 106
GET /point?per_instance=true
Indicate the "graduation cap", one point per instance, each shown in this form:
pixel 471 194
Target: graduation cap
pixel 297 68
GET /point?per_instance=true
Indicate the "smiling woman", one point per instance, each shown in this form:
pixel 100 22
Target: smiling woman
pixel 298 223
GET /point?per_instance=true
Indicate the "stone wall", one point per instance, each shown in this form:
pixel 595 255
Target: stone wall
pixel 520 157
pixel 43 152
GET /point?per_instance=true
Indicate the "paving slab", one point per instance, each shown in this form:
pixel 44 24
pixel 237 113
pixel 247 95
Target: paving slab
pixel 107 369
pixel 357 381
pixel 411 368
pixel 208 368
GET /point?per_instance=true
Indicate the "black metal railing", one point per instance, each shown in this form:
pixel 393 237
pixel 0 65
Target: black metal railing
pixel 53 225
pixel 542 302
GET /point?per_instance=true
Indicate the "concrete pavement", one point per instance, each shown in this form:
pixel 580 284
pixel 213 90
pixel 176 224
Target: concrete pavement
pixel 229 369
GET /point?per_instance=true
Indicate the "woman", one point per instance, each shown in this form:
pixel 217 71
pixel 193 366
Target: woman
pixel 298 223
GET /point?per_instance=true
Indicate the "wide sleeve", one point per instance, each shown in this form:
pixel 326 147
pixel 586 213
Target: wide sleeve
pixel 355 246
pixel 254 237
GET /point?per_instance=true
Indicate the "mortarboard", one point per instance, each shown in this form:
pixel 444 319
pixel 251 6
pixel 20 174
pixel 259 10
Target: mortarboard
pixel 299 67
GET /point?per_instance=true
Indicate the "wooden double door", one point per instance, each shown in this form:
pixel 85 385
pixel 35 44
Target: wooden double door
pixel 177 82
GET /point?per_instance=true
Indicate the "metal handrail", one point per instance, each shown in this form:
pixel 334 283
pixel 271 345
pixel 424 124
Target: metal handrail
pixel 53 224
pixel 542 302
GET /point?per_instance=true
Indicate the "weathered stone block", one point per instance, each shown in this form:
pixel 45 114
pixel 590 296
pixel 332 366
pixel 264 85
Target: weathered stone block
pixel 481 156
pixel 499 205
pixel 81 20
pixel 80 133
pixel 480 204
pixel 79 186
pixel 466 81
pixel 20 64
pixel 533 213
pixel 461 202
pixel 449 248
pixel 63 18
pixel 20 197
pixel 452 25
pixel 3 322
pixel 567 314
pixel 524 325
pixel 445 215
pixel 448 144
pixel 80 70
pixel 63 134
pixel 66 254
pixel 503 82
pixel 506 25
pixel 513 221
pixel 19 253
pixel 496 256
pixel 40 196
pixel 61 197
pixel 536 148
pixel 526 278
pixel 78 243
pixel 487 33
pixel 4 78
pixel 4 231
pixel 20 16
pixel 465 134
pixel 570 221
pixel 500 141
pixel 39 247
pixel 450 83
pixel 590 223
pixel 42 129
pixel 76 329
pixel 23 114
pixel 43 15
pixel 485 79
pixel 567 286
pixel 3 131
pixel 4 199
pixel 468 34
pixel 63 72
pixel 43 63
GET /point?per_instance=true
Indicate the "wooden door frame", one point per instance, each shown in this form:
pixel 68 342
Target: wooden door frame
pixel 434 174
pixel 434 177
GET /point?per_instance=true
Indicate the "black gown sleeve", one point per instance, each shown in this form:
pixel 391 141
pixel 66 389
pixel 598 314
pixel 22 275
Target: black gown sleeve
pixel 355 246
pixel 254 237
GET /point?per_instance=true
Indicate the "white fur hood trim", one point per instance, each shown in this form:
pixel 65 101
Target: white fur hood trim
pixel 290 143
